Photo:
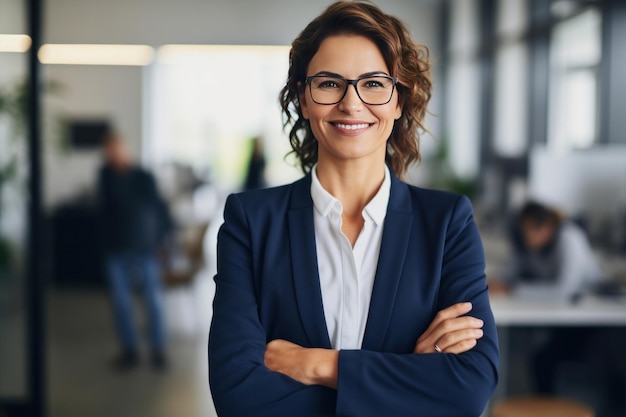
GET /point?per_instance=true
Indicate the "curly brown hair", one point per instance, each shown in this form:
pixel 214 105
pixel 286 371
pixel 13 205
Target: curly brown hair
pixel 406 60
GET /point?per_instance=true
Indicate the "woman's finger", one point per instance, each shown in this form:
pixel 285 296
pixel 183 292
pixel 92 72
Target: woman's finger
pixel 450 326
pixel 461 347
pixel 449 340
pixel 451 312
pixel 447 333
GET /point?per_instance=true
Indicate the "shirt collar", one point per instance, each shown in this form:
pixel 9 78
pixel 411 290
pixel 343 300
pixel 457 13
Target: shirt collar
pixel 376 209
pixel 323 201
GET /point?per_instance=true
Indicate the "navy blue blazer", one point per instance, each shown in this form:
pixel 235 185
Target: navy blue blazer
pixel 267 287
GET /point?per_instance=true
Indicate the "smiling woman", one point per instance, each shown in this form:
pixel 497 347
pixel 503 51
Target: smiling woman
pixel 349 292
pixel 343 112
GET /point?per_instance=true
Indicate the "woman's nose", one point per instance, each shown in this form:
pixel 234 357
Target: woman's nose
pixel 351 101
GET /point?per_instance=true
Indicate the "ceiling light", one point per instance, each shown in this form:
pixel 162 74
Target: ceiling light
pixel 14 43
pixel 94 54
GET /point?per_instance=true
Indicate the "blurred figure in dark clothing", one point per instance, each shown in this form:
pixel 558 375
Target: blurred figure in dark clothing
pixel 255 177
pixel 135 222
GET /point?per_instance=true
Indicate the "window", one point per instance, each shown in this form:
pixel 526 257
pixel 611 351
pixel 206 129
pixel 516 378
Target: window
pixel 511 64
pixel 209 102
pixel 463 93
pixel 574 60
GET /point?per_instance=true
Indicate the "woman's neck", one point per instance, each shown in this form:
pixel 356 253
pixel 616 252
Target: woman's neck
pixel 353 184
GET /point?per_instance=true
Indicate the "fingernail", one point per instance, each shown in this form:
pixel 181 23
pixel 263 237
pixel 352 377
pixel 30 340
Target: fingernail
pixel 467 305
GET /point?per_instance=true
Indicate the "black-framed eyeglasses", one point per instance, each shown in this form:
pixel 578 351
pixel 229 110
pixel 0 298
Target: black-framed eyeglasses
pixel 331 89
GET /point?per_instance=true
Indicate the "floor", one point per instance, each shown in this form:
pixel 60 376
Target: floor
pixel 81 344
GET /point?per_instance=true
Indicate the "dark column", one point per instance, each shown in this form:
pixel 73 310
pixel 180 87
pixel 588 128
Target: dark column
pixel 443 63
pixel 538 37
pixel 35 284
pixel 487 70
pixel 613 67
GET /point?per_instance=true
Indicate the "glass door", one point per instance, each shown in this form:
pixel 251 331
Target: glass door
pixel 21 363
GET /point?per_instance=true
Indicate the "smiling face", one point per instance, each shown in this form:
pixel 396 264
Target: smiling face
pixel 350 129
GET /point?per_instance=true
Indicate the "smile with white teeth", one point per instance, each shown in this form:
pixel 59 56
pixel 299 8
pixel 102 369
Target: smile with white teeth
pixel 352 127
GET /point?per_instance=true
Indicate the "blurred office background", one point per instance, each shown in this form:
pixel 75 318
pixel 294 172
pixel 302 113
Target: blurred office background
pixel 528 102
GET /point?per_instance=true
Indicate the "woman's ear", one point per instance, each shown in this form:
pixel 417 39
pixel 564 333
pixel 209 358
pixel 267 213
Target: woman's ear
pixel 398 113
pixel 399 103
pixel 302 100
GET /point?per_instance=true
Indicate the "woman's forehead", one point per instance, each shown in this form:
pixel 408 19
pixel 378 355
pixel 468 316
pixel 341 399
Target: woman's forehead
pixel 348 55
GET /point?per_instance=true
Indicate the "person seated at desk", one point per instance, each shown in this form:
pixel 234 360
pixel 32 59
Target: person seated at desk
pixel 550 254
pixel 552 260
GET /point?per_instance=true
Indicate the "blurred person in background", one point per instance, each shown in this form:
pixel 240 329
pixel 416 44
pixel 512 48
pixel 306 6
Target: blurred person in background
pixel 135 222
pixel 255 175
pixel 350 292
pixel 552 260
pixel 551 254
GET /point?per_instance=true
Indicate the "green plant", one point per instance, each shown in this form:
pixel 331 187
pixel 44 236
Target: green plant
pixel 13 111
pixel 444 176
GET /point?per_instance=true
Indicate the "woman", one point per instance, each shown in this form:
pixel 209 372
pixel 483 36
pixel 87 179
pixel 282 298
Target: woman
pixel 346 293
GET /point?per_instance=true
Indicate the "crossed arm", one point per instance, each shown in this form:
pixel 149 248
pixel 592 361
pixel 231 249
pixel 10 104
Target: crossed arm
pixel 451 331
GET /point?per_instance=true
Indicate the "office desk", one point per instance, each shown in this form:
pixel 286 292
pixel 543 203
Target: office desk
pixel 589 311
pixel 512 312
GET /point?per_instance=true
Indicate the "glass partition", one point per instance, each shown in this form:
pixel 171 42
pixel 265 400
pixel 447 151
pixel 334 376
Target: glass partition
pixel 14 45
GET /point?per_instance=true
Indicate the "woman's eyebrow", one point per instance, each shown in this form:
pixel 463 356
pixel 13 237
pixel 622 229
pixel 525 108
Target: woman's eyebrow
pixel 334 74
pixel 373 74
pixel 327 74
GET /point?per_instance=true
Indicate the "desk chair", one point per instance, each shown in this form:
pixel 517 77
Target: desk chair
pixel 192 246
pixel 180 279
pixel 536 406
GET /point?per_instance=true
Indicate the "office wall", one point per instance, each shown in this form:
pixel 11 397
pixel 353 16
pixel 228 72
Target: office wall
pixel 13 16
pixel 117 92
pixel 86 92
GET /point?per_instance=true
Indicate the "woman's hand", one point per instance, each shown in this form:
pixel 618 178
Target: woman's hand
pixel 310 366
pixel 450 331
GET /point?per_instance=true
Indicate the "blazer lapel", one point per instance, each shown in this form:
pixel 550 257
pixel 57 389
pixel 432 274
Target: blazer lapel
pixel 395 240
pixel 304 264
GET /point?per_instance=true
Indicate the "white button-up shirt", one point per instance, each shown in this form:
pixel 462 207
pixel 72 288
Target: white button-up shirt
pixel 347 273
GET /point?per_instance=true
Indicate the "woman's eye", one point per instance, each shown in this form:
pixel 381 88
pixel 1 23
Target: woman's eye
pixel 328 84
pixel 373 84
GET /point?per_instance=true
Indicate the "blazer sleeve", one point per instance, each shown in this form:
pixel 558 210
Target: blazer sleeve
pixel 240 383
pixel 437 384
